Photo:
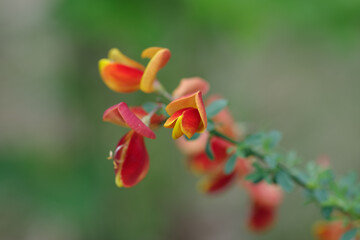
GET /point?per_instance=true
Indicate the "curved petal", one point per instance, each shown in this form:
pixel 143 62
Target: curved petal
pixel 119 77
pixel 157 62
pixel 190 122
pixel 170 122
pixel 177 132
pixel 261 217
pixel 112 115
pixel 119 57
pixel 134 122
pixel 202 112
pixel 191 85
pixel 150 52
pixel 132 161
pixel 181 103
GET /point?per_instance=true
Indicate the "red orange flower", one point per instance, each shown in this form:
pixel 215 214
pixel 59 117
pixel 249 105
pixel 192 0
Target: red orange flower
pixel 331 230
pixel 131 160
pixel 187 115
pixel 265 200
pixel 122 74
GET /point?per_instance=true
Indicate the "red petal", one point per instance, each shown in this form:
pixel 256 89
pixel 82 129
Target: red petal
pixel 134 122
pixel 133 160
pixel 170 122
pixel 261 217
pixel 121 78
pixel 112 115
pixel 217 182
pixel 190 122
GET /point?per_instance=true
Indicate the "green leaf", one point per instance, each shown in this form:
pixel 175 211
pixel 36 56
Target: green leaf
pixel 321 195
pixel 208 150
pixel 254 177
pixel 215 107
pixel 210 126
pixel 273 139
pixel 230 164
pixel 149 106
pixel 349 234
pixel 284 180
pixel 271 161
pixel 194 137
pixel 300 175
pixel 326 212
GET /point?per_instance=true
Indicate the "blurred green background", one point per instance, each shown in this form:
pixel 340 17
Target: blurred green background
pixel 286 65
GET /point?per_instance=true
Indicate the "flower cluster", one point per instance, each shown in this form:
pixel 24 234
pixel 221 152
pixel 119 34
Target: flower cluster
pixel 216 149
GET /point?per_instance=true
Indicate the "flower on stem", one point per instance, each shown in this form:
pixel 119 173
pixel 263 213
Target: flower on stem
pixel 191 85
pixel 122 74
pixel 265 201
pixel 187 115
pixel 131 160
pixel 331 230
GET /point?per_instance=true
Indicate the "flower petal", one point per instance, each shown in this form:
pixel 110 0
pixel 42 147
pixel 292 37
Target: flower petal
pixel 170 122
pixel 134 122
pixel 190 122
pixel 176 133
pixel 133 160
pixel 266 194
pixel 158 61
pixel 119 57
pixel 191 85
pixel 150 52
pixel 119 77
pixel 112 115
pixel 216 182
pixel 261 217
pixel 201 108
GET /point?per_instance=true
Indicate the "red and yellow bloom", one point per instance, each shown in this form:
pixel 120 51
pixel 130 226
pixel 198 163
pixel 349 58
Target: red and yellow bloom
pixel 331 230
pixel 187 115
pixel 122 74
pixel 131 160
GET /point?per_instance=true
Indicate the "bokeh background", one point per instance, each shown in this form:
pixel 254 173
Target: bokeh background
pixel 286 65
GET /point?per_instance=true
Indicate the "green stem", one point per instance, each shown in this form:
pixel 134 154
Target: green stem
pixel 251 152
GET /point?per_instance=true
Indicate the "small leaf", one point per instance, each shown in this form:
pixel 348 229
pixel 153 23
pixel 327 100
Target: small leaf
pixel 326 212
pixel 149 106
pixel 321 195
pixel 274 138
pixel 271 161
pixel 215 107
pixel 208 150
pixel 194 137
pixel 349 234
pixel 210 126
pixel 254 177
pixel 230 164
pixel 284 180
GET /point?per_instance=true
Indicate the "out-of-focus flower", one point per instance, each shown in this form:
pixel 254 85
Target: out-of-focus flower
pixel 331 230
pixel 187 115
pixel 122 74
pixel 191 85
pixel 265 201
pixel 131 160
